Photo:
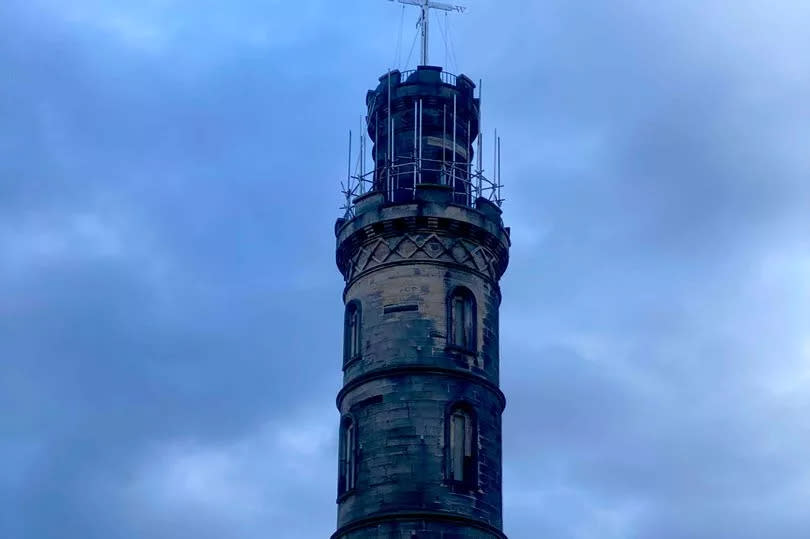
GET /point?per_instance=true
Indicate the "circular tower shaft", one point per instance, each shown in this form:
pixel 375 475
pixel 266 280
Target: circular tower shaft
pixel 420 442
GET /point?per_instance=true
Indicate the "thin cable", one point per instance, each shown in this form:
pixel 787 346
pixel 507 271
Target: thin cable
pixel 444 37
pixel 398 51
pixel 415 37
pixel 452 48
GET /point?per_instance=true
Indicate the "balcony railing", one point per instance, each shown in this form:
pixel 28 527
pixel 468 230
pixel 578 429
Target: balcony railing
pixel 447 77
pixel 398 182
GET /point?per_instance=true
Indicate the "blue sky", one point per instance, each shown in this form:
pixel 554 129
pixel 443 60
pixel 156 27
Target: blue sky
pixel 170 311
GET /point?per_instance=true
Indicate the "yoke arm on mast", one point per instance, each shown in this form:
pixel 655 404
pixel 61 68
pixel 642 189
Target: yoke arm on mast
pixel 446 7
pixel 433 5
pixel 424 20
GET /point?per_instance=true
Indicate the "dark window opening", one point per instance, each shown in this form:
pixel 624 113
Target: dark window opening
pixel 461 331
pixel 347 474
pixel 390 309
pixel 352 338
pixel 461 448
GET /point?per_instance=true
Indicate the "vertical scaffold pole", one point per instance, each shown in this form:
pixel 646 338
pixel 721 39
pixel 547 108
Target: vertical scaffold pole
pixel 349 176
pixel 495 157
pixel 362 158
pixel 390 150
pixel 421 108
pixel 480 137
pixel 453 174
pixel 468 183
pixel 415 139
pixel 499 171
pixel 442 177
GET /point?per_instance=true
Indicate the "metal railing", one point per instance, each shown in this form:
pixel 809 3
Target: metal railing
pixel 446 77
pixel 398 182
pixel 397 177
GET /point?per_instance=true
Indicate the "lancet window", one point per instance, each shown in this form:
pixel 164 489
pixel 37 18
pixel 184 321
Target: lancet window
pixel 351 337
pixel 461 446
pixel 347 473
pixel 462 315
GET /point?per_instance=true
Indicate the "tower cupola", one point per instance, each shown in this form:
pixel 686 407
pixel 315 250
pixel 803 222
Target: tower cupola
pixel 423 124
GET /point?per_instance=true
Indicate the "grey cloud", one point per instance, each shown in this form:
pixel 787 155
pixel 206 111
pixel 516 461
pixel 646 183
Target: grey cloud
pixel 643 331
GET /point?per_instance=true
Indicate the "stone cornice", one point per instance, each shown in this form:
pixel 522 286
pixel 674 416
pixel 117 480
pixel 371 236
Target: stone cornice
pixel 416 369
pixel 423 232
pixel 430 516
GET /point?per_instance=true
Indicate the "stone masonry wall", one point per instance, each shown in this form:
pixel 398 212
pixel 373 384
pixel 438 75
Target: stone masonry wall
pixel 401 387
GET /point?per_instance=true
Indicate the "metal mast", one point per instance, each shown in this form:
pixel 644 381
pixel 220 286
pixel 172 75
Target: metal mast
pixel 424 20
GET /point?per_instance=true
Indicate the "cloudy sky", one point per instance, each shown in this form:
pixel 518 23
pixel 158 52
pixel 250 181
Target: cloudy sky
pixel 170 311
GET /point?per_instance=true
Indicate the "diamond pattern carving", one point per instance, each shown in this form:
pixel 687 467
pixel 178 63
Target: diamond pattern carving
pixel 380 252
pixel 434 248
pixel 422 246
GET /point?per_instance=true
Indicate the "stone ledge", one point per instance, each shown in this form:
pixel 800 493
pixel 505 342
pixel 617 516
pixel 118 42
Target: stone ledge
pixel 432 192
pixel 428 237
pixel 429 516
pixel 410 370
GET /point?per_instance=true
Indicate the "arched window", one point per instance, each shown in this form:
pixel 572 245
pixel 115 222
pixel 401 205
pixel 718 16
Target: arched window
pixel 462 315
pixel 351 337
pixel 348 456
pixel 461 446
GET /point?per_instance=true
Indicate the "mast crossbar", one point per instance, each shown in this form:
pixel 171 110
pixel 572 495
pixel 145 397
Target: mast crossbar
pixel 424 20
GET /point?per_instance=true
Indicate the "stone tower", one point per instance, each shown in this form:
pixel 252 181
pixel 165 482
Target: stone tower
pixel 422 248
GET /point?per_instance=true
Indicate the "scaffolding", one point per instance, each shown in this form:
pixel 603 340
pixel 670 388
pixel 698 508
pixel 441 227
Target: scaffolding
pixel 397 174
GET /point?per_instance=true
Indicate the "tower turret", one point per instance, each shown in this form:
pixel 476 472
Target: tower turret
pixel 422 248
pixel 434 119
